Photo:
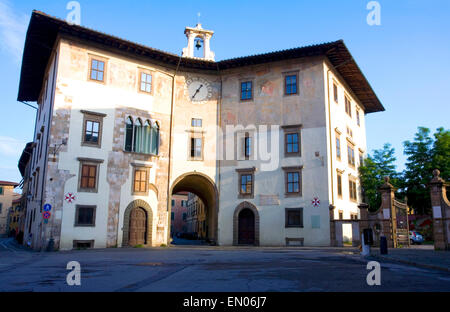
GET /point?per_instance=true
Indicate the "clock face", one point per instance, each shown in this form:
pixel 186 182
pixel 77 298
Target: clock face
pixel 199 89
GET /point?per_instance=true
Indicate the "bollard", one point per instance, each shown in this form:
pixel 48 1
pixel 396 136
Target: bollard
pixel 383 245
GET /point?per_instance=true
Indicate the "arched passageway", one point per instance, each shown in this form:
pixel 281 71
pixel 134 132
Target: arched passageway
pixel 204 187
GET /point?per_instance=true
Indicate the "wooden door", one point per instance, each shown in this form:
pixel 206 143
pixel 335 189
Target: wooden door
pixel 138 227
pixel 246 235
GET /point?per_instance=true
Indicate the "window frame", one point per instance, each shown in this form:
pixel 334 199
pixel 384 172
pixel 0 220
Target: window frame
pixel 246 81
pixel 286 220
pixel 138 167
pixel 148 73
pixel 248 144
pixel 197 120
pixel 77 214
pixel 352 189
pixel 348 106
pixel 193 136
pixel 287 171
pixel 289 130
pixel 351 160
pixel 246 172
pixel 339 184
pixel 335 93
pixel 92 117
pixel 89 162
pixel 105 66
pixel 285 77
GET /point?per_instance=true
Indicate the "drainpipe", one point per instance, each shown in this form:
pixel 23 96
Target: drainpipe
pixel 219 123
pixel 169 196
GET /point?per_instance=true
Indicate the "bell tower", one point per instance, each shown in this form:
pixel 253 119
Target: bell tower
pixel 197 37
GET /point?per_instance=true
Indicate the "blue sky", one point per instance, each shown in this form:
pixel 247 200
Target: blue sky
pixel 406 58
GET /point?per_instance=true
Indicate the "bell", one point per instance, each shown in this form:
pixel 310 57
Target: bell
pixel 198 44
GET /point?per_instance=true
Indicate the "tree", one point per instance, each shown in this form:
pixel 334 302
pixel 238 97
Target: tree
pixel 441 152
pixel 419 169
pixel 373 171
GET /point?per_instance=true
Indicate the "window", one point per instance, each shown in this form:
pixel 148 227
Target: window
pixel 92 131
pixel 172 215
pixel 1 190
pixel 294 217
pixel 246 184
pixel 83 244
pixel 341 215
pixel 361 159
pixel 246 91
pixel 92 128
pixel 247 146
pixel 173 202
pixel 196 148
pixel 358 120
pixel 141 137
pixel 196 122
pixel 292 143
pixel 88 174
pixel 339 185
pixel 97 70
pixel 349 132
pixel 338 148
pixel 1 207
pixel 146 83
pixel 351 155
pixel 353 216
pixel 335 92
pixel 352 190
pixel 292 140
pixel 184 216
pixel 85 215
pixel 348 106
pixel 293 182
pixel 140 184
pixel 290 84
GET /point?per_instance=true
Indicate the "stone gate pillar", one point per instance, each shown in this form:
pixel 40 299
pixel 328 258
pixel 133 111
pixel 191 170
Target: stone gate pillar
pixel 441 212
pixel 333 242
pixel 389 221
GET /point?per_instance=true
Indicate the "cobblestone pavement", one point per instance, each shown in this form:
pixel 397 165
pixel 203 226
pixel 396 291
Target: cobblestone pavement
pixel 207 269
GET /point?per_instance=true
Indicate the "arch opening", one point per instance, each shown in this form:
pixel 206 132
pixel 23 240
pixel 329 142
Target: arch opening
pixel 195 221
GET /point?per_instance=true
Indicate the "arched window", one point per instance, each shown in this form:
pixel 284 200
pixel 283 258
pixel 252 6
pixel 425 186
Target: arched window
pixel 129 135
pixel 155 139
pixel 142 137
pixel 138 136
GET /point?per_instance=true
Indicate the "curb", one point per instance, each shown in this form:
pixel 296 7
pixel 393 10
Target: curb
pixel 416 264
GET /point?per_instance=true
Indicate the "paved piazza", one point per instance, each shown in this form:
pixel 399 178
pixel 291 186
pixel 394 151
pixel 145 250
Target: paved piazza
pixel 208 269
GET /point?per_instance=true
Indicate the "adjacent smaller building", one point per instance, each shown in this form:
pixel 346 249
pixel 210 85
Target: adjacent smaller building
pixel 196 216
pixel 16 217
pixel 7 196
pixel 179 213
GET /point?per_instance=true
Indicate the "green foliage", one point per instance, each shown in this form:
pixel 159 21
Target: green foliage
pixel 425 155
pixel 441 152
pixel 372 174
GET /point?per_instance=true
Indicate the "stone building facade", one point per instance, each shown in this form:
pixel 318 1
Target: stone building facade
pixel 267 142
pixel 7 197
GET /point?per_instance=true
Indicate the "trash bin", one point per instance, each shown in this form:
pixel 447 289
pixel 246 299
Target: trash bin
pixel 383 245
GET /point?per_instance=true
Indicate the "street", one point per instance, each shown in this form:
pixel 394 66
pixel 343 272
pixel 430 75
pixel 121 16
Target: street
pixel 208 269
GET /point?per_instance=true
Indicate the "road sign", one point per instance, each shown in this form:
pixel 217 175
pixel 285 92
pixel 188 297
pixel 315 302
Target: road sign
pixel 47 207
pixel 46 215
